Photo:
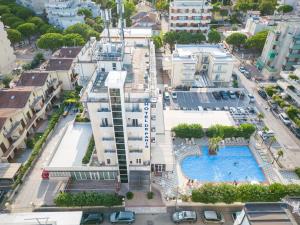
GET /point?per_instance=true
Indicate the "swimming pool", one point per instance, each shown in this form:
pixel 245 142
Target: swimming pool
pixel 232 163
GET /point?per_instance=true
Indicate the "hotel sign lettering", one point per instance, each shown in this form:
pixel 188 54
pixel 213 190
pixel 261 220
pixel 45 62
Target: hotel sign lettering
pixel 146 124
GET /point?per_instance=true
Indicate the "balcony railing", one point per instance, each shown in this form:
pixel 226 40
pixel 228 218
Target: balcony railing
pixel 135 138
pixel 103 110
pixel 134 125
pixel 133 110
pixel 105 125
pixel 108 139
pixel 9 132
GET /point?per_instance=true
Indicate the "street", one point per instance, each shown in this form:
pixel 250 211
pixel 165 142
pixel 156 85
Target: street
pixel 283 135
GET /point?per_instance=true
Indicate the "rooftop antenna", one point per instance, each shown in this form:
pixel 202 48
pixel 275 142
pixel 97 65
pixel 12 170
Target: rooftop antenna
pixel 122 22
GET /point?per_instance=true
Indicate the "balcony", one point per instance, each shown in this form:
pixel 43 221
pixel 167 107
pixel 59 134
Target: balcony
pixel 295 47
pixel 105 125
pixel 37 103
pixel 133 110
pixel 293 94
pixel 135 150
pixel 13 129
pixel 103 110
pixel 135 138
pixel 108 139
pixel 134 125
pixel 294 55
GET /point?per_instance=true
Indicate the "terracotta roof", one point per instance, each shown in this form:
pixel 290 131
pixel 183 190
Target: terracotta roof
pixel 2 121
pixel 68 52
pixel 149 18
pixel 33 78
pixel 14 98
pixel 59 64
pixel 139 15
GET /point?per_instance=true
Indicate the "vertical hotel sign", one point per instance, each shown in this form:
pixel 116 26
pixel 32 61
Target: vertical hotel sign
pixel 146 124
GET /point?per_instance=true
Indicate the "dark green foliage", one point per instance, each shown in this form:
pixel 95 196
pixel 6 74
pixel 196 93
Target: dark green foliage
pixel 85 12
pixel 271 90
pixel 129 195
pixel 285 8
pixel 150 195
pixel 188 131
pixel 89 151
pixel 14 36
pixel 236 39
pixel 87 199
pixel 6 80
pixel 83 29
pixel 213 193
pixel 244 130
pixel 257 41
pixel 214 36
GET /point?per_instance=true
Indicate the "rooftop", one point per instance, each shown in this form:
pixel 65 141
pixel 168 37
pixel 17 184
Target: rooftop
pixel 9 170
pixel 67 52
pixel 33 78
pixel 205 118
pixel 269 214
pixel 59 64
pixel 129 33
pixel 14 98
pixel 50 218
pixel 73 145
pixel 115 79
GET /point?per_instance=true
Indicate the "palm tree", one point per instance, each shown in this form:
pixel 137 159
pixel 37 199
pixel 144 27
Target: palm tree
pixel 260 116
pixel 272 140
pixel 213 145
pixel 280 154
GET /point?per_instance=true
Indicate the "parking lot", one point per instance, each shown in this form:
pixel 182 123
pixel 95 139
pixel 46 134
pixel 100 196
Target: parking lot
pixel 191 100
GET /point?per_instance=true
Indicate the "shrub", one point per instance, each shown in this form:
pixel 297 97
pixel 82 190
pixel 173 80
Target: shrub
pixel 129 195
pixel 244 130
pixel 297 171
pixel 150 195
pixel 87 199
pixel 81 119
pixel 89 151
pixel 270 90
pixel 188 131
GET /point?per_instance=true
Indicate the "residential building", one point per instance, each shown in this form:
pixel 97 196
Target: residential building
pixel 49 218
pixel 64 13
pixel 22 107
pixel 200 65
pixel 38 6
pixel 256 24
pixel 266 214
pixel 7 60
pixel 8 175
pixel 282 49
pixel 290 83
pixel 190 15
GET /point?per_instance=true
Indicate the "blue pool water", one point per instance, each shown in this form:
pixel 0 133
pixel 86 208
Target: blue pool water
pixel 232 163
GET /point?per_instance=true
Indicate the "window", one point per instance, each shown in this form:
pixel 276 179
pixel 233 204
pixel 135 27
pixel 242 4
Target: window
pixel 102 69
pixel 108 161
pixel 114 66
pixel 218 76
pixel 219 67
pixel 104 122
pixel 138 161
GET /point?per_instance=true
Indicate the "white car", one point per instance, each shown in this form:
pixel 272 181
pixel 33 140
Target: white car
pixel 242 69
pixel 285 119
pixel 266 134
pixel 251 98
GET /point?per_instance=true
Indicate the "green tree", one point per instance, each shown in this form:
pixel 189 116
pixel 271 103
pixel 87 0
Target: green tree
pixel 157 40
pixel 51 41
pixel 129 9
pixel 6 80
pixel 162 5
pixel 170 38
pixel 213 145
pixel 14 36
pixel 85 12
pixel 73 40
pixel 24 13
pixel 257 41
pixel 266 8
pixel 82 29
pixel 4 9
pixel 27 30
pixel 282 8
pixel 260 116
pixel 236 39
pixel 12 21
pixel 36 20
pixel 214 36
pixel 280 154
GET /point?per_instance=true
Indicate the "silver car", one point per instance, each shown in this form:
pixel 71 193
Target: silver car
pixel 211 216
pixel 184 216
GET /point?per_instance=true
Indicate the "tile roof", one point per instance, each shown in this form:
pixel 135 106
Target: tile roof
pixel 33 78
pixel 59 64
pixel 14 98
pixel 68 52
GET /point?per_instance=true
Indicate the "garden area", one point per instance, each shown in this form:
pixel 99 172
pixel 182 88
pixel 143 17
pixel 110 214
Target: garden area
pixel 64 199
pixel 228 193
pixel 89 151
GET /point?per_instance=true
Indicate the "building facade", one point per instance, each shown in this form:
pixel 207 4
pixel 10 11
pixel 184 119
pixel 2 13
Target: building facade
pixel 7 60
pixel 64 13
pixel 282 49
pixel 190 15
pixel 200 66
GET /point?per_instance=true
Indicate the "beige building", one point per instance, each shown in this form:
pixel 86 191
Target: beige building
pixel 22 107
pixel 7 57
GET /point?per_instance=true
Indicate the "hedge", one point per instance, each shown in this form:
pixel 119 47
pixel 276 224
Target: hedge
pixel 39 143
pixel 228 193
pixel 89 151
pixel 188 131
pixel 87 199
pixel 244 130
pixel 297 171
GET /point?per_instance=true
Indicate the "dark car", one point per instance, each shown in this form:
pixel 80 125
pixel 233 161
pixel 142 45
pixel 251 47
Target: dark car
pixel 92 218
pixel 262 94
pixel 240 95
pixel 184 216
pixel 295 130
pixel 127 217
pixel 216 95
pixel 224 95
pixel 211 216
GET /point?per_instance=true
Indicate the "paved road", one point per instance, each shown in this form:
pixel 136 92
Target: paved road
pixel 283 135
pixel 35 191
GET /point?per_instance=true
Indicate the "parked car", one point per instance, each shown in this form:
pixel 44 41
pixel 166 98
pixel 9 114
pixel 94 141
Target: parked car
pixel 211 216
pixel 247 74
pixel 174 95
pixel 242 69
pixel 266 134
pixel 166 96
pixel 262 94
pixel 184 216
pixel 232 95
pixel 240 95
pixel 92 218
pixel 251 98
pixel 285 119
pixel 127 217
pixel 295 130
pixel 216 95
pixel 224 95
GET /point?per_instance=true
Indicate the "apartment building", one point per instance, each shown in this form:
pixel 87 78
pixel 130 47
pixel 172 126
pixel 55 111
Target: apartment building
pixel 38 6
pixel 256 24
pixel 200 66
pixel 64 13
pixel 267 214
pixel 282 49
pixel 190 15
pixel 22 107
pixel 290 83
pixel 7 60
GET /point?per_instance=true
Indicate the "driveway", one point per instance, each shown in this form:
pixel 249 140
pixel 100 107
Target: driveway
pixel 283 135
pixel 35 191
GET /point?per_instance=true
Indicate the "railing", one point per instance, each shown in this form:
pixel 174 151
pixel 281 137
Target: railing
pixel 134 125
pixel 8 133
pixel 108 139
pixel 133 110
pixel 103 110
pixel 105 125
pixel 135 138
